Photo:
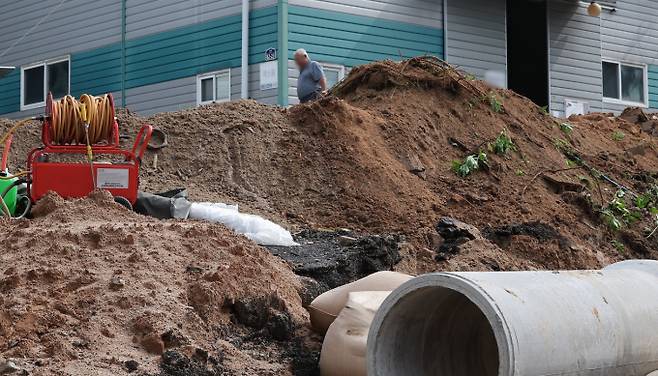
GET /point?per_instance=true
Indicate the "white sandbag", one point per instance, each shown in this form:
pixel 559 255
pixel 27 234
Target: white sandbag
pixel 256 228
pixel 344 347
pixel 326 307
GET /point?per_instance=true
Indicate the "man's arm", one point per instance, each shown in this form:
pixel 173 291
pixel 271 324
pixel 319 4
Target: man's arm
pixel 323 84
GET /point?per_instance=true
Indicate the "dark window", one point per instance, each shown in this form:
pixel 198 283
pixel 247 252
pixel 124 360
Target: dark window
pixel 632 84
pixel 33 85
pixel 58 78
pixel 624 82
pixel 610 80
pixel 207 90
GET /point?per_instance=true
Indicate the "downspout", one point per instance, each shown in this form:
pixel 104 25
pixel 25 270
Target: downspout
pixel 123 53
pixel 282 52
pixel 445 30
pixel 244 87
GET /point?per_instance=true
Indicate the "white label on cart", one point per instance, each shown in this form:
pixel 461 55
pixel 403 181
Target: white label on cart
pixel 112 178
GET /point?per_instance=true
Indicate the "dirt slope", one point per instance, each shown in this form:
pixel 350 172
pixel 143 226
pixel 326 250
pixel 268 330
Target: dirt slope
pixel 87 287
pixel 376 156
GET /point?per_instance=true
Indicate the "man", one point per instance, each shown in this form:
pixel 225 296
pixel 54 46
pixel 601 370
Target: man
pixel 311 83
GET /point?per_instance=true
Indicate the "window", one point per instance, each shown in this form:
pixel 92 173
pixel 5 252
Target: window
pixel 333 73
pixel 625 83
pixel 213 87
pixel 37 80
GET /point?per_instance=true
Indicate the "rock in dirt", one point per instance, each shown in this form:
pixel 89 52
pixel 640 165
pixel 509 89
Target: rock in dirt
pixel 131 365
pixel 174 363
pixel 326 257
pixel 10 368
pixel 454 233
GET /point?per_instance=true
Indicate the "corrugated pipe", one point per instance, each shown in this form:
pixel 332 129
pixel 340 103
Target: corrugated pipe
pixel 578 323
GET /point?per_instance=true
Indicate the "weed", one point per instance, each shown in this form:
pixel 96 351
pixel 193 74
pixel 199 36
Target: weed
pixel 520 173
pixel 618 135
pixel 470 164
pixel 567 128
pixel 561 144
pixel 619 246
pixel 543 110
pixel 495 103
pixel 610 219
pixel 649 199
pixel 470 77
pixel 503 144
pixel 617 209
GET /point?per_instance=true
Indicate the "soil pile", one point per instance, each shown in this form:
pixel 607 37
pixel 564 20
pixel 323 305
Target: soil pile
pixel 90 288
pixel 377 156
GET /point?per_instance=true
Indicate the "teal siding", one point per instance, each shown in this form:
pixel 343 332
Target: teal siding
pixel 350 40
pixel 169 55
pixel 190 50
pixel 653 86
pixel 10 92
pixel 96 71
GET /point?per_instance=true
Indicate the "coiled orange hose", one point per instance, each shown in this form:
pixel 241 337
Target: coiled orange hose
pixel 69 117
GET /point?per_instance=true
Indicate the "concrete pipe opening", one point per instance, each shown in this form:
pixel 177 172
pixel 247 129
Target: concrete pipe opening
pixel 434 331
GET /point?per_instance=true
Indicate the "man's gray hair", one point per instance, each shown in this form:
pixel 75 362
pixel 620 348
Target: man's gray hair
pixel 301 52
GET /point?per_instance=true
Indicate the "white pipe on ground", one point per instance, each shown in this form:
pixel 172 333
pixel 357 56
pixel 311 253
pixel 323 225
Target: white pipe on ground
pixel 244 75
pixel 579 323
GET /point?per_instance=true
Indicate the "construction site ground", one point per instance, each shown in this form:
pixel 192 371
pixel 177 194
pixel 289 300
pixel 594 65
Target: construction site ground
pixel 364 177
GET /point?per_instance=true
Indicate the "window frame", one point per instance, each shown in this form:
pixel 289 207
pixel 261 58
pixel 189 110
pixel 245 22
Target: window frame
pixel 44 64
pixel 338 67
pixel 645 83
pixel 212 75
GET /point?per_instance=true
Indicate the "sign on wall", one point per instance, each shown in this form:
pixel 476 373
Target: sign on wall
pixel 270 54
pixel 269 75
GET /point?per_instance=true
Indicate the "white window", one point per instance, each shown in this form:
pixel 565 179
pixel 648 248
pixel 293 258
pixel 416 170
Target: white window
pixel 213 87
pixel 333 73
pixel 625 83
pixel 40 78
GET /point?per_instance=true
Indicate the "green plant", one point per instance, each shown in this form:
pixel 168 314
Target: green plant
pixel 520 173
pixel 648 199
pixel 618 135
pixel 470 164
pixel 503 144
pixel 617 209
pixel 543 110
pixel 495 103
pixel 619 246
pixel 567 128
pixel 561 144
pixel 610 219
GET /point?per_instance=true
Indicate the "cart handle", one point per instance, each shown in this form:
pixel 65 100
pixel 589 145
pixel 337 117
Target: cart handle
pixel 5 153
pixel 144 136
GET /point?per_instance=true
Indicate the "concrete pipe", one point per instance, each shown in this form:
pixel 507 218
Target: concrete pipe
pixel 579 323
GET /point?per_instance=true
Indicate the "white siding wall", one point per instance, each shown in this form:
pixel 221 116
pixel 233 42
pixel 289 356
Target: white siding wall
pixel 74 26
pixel 145 17
pixel 180 94
pixel 630 35
pixel 421 12
pixel 476 38
pixel 575 56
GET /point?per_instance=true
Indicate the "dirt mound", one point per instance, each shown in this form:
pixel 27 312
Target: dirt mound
pixel 90 288
pixel 377 156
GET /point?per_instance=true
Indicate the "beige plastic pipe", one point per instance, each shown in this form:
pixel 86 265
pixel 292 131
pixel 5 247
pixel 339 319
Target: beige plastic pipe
pixel 579 323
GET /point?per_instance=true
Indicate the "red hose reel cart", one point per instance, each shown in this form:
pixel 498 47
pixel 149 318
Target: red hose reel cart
pixel 77 179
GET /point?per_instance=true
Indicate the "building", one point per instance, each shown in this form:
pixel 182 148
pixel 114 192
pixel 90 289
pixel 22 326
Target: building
pixel 163 55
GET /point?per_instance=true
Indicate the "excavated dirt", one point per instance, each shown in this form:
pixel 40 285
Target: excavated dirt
pixel 374 157
pixel 90 288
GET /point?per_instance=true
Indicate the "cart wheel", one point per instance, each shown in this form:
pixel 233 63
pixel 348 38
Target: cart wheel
pixel 123 202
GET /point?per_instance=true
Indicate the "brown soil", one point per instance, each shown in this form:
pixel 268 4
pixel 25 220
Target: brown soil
pixel 375 156
pixel 87 285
